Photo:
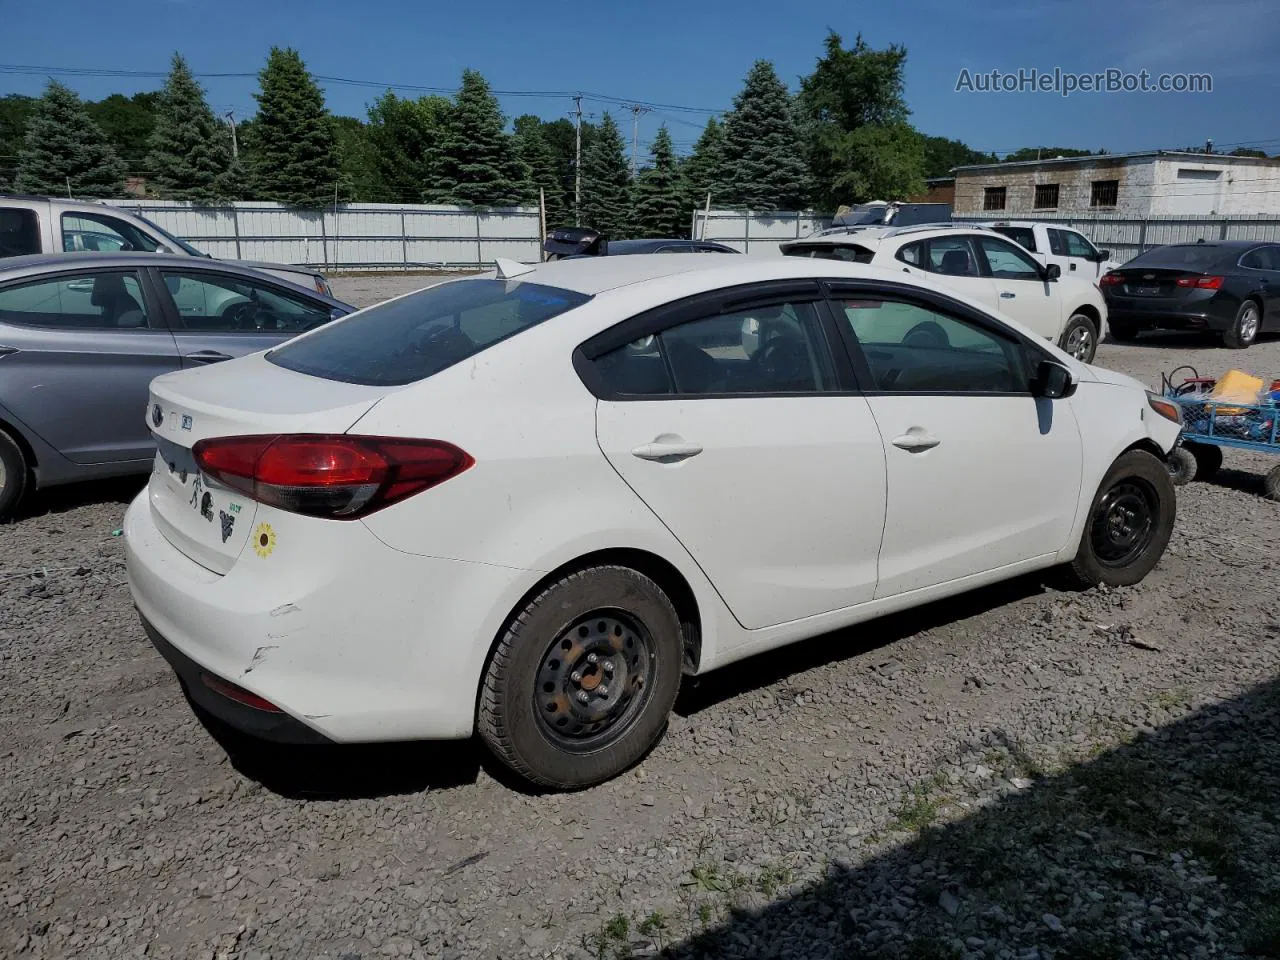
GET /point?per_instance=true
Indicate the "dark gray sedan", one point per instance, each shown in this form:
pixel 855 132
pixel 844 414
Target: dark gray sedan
pixel 82 336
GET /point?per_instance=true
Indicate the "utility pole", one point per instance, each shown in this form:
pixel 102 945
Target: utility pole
pixel 231 122
pixel 577 161
pixel 636 110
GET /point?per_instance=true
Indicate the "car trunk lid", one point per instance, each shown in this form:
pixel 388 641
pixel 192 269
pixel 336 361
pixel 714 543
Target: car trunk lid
pixel 203 519
pixel 1153 282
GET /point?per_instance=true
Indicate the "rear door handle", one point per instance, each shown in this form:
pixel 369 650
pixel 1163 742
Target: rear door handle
pixel 206 356
pixel 1006 295
pixel 916 442
pixel 5 351
pixel 667 450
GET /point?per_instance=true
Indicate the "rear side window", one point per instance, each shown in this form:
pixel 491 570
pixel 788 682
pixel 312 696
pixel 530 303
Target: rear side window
pixel 953 256
pixel 1021 235
pixel 19 232
pixel 111 300
pixel 409 339
pixel 102 233
pixel 912 253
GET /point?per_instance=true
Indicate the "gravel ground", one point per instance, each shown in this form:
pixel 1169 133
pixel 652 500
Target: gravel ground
pixel 1018 773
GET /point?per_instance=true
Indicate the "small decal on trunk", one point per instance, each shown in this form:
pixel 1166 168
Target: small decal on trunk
pixel 186 421
pixel 228 523
pixel 264 540
pixel 206 507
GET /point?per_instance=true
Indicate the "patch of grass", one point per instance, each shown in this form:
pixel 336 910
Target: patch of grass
pixel 1172 698
pixel 705 914
pixel 916 814
pixel 771 879
pixel 612 941
pixel 654 926
pixel 707 879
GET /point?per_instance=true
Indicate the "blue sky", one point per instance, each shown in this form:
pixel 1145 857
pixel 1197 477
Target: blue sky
pixel 695 54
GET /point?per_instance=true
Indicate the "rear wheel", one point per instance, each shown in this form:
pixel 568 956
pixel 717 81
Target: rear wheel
pixel 13 475
pixel 1121 331
pixel 1208 459
pixel 580 684
pixel 1080 338
pixel 1182 465
pixel 1129 523
pixel 1244 329
pixel 1271 484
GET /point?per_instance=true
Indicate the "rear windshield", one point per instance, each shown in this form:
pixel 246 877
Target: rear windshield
pixel 411 338
pixel 826 251
pixel 1195 255
pixel 1022 235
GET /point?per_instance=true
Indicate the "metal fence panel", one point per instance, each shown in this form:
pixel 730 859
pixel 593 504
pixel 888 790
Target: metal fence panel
pixel 756 233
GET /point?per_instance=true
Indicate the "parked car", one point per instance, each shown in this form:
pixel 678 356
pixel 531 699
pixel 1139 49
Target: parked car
pixel 524 504
pixel 1231 287
pixel 82 336
pixel 569 242
pixel 1072 251
pixel 32 225
pixel 881 213
pixel 980 264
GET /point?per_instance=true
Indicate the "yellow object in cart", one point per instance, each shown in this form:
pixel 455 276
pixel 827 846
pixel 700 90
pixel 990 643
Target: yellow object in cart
pixel 1238 387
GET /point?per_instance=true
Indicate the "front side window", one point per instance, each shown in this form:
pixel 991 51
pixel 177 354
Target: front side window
pixel 774 349
pixel 953 257
pixel 97 231
pixel 412 338
pixel 228 303
pixel 19 232
pixel 1078 246
pixel 1007 262
pixel 1056 243
pixel 88 301
pixel 913 349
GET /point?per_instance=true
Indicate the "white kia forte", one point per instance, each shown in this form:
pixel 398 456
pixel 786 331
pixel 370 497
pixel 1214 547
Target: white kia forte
pixel 524 504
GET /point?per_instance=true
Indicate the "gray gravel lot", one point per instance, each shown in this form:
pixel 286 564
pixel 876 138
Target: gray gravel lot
pixel 1019 773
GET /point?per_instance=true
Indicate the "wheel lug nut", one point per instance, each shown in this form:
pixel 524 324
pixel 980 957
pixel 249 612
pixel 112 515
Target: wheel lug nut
pixel 592 658
pixel 576 676
pixel 608 666
pixel 604 690
pixel 582 696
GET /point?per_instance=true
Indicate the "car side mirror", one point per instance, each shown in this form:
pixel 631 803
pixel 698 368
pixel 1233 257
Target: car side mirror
pixel 1102 256
pixel 1052 272
pixel 1053 381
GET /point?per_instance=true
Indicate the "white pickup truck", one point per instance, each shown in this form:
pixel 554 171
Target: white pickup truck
pixel 1075 255
pixel 52 225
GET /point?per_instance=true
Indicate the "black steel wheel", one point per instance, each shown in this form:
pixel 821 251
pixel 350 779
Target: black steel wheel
pixel 1129 523
pixel 579 685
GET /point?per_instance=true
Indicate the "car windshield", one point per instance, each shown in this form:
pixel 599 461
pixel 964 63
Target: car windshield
pixel 411 338
pixel 1197 256
pixel 180 244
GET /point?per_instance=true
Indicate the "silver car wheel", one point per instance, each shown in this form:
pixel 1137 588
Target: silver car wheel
pixel 1079 342
pixel 1249 324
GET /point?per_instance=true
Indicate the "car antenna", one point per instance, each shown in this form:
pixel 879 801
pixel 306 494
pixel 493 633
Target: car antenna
pixel 507 269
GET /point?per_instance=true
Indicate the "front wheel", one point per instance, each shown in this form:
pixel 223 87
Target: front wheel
pixel 1080 338
pixel 1129 523
pixel 13 474
pixel 580 684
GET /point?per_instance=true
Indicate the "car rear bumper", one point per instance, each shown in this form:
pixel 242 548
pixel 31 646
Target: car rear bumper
pixel 351 640
pixel 1217 314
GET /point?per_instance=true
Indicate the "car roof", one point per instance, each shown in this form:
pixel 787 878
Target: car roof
pixel 62 202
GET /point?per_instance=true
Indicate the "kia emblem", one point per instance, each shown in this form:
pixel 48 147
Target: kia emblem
pixel 157 415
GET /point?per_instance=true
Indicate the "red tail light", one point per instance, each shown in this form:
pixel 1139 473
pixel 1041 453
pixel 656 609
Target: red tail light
pixel 1203 283
pixel 1110 279
pixel 329 475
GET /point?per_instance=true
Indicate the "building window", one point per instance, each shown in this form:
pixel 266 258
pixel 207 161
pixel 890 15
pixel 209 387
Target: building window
pixel 1046 196
pixel 1104 193
pixel 993 198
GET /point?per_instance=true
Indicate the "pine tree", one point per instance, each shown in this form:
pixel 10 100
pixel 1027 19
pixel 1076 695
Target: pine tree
pixel 190 156
pixel 536 154
pixel 764 155
pixel 605 181
pixel 703 172
pixel 659 207
pixel 478 163
pixel 294 153
pixel 63 146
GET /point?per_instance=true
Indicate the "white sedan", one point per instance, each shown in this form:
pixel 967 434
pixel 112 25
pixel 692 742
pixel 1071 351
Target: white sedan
pixel 524 504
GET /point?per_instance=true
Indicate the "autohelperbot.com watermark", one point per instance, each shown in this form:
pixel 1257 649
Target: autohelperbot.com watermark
pixel 1065 83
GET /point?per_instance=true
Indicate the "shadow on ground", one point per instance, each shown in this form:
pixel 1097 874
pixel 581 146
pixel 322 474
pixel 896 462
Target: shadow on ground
pixel 73 495
pixel 1167 846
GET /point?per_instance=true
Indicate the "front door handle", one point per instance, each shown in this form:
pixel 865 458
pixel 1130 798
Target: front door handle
pixel 5 351
pixel 206 356
pixel 1007 295
pixel 916 442
pixel 667 448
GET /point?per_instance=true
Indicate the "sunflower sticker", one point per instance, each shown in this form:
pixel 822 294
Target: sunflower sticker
pixel 264 540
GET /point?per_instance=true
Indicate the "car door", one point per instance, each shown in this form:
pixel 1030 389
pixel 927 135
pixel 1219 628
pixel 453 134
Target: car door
pixel 217 315
pixel 1024 293
pixel 951 261
pixel 981 474
pixel 1082 257
pixel 1270 256
pixel 726 416
pixel 78 350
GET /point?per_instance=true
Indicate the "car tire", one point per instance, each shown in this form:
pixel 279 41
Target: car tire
pixel 1121 332
pixel 1244 328
pixel 582 680
pixel 1182 465
pixel 1080 338
pixel 1208 459
pixel 13 475
pixel 1271 484
pixel 1129 523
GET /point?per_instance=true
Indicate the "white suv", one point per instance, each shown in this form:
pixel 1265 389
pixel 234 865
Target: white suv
pixel 982 265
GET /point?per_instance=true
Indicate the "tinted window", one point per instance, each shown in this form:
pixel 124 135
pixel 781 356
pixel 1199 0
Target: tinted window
pixel 953 256
pixel 228 303
pixel 96 231
pixel 912 253
pixel 763 350
pixel 826 251
pixel 1057 245
pixel 1197 255
pixel 1078 246
pixel 102 301
pixel 1007 262
pixel 1023 235
pixel 1253 260
pixel 411 338
pixel 1271 258
pixel 916 350
pixel 19 232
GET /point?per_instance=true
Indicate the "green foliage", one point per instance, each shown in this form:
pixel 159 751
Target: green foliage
pixel 1049 153
pixel 658 207
pixel 14 111
pixel 605 182
pixel 190 156
pixel 875 162
pixel 1247 152
pixel 63 145
pixel 764 164
pixel 293 157
pixel 560 137
pixel 536 154
pixel 359 171
pixel 127 122
pixel 941 155
pixel 405 138
pixel 704 170
pixel 478 162
pixel 855 87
